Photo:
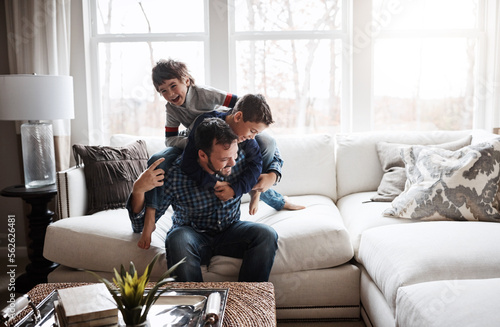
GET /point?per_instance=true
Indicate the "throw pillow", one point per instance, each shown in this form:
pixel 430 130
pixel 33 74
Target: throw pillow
pixel 450 185
pixel 110 173
pixel 394 178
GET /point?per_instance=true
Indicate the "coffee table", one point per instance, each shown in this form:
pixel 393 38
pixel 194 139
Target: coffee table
pixel 248 304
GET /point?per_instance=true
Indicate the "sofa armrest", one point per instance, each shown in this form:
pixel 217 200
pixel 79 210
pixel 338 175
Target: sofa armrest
pixel 72 193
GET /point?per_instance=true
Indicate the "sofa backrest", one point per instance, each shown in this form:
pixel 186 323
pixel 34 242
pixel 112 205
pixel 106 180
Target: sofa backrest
pixel 358 166
pixel 309 165
pixel 309 162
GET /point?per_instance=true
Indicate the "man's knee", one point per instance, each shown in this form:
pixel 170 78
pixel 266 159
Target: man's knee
pixel 180 238
pixel 268 236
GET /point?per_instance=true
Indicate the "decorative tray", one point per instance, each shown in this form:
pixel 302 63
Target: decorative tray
pixel 176 307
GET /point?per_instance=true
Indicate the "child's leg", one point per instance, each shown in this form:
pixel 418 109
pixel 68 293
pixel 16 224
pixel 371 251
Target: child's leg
pixel 267 146
pixel 254 202
pixel 147 231
pixel 278 202
pixel 274 199
pixel 153 198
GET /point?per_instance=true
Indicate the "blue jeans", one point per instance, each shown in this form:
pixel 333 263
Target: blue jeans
pixel 255 243
pixel 267 146
pixel 154 197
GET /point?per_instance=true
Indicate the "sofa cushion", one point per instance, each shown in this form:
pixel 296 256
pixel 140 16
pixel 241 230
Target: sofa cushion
pixel 110 173
pixel 446 185
pixel 447 302
pixel 394 178
pixel 360 214
pixel 313 238
pixel 408 254
pixel 357 163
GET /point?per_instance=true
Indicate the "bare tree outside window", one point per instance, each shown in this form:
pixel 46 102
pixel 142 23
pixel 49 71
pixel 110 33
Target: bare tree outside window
pixel 300 76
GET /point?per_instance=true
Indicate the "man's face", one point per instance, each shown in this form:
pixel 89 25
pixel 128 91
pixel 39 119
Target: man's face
pixel 174 90
pixel 222 158
pixel 246 129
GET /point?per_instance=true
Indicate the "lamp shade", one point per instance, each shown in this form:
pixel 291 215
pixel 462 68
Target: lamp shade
pixel 36 97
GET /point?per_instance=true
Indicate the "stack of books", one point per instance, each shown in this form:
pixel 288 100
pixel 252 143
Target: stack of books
pixel 89 305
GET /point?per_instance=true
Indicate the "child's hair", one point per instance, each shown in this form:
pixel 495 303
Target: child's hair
pixel 254 108
pixel 169 69
pixel 211 129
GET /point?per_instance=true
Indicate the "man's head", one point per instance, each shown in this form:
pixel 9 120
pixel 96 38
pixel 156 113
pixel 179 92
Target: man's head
pixel 251 115
pixel 171 78
pixel 217 146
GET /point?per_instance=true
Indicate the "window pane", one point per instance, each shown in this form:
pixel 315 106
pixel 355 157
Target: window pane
pixel 301 80
pixel 287 15
pixel 149 16
pixel 425 14
pixel 130 103
pixel 424 84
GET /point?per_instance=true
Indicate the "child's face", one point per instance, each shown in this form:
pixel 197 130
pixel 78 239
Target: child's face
pixel 175 90
pixel 246 129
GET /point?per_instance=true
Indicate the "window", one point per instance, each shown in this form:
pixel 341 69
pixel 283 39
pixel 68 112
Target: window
pixel 292 52
pixel 128 38
pixel 323 65
pixel 427 59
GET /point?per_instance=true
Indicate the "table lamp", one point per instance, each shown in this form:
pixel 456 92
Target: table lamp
pixel 35 98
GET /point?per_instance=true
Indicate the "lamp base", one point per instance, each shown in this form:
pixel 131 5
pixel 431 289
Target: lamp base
pixel 38 154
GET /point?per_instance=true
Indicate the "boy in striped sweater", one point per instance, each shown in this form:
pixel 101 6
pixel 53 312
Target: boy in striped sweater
pixel 185 102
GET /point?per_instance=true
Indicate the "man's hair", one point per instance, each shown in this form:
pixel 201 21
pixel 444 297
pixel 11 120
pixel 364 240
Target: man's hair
pixel 254 108
pixel 169 69
pixel 211 129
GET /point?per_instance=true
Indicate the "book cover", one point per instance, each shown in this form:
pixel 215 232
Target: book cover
pixel 86 303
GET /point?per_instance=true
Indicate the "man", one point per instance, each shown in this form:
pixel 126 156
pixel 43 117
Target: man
pixel 203 225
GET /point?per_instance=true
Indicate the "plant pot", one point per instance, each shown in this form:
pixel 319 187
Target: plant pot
pixel 144 324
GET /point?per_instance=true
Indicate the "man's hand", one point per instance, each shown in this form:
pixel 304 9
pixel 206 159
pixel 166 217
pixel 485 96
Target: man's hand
pixel 223 191
pixel 265 182
pixel 150 178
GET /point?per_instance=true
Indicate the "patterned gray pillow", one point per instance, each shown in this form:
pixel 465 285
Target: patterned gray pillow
pixel 394 178
pixel 450 185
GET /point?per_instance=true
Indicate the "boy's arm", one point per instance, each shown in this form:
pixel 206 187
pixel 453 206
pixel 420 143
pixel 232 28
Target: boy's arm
pixel 249 176
pixel 276 165
pixel 272 175
pixel 172 136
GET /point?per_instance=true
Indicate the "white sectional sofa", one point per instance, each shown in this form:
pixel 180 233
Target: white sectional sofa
pixel 339 259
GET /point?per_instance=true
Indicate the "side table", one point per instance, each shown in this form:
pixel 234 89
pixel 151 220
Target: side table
pixel 38 220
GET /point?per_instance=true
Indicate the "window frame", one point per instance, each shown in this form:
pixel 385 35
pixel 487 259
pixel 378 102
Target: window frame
pixel 101 136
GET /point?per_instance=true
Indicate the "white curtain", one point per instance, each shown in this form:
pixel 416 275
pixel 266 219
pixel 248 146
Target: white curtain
pixel 38 35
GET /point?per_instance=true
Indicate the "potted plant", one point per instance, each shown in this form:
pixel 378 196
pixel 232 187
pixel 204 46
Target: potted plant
pixel 128 291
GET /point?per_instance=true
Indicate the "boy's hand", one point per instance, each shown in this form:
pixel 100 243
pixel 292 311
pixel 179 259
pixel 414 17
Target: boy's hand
pixel 265 182
pixel 150 178
pixel 223 191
